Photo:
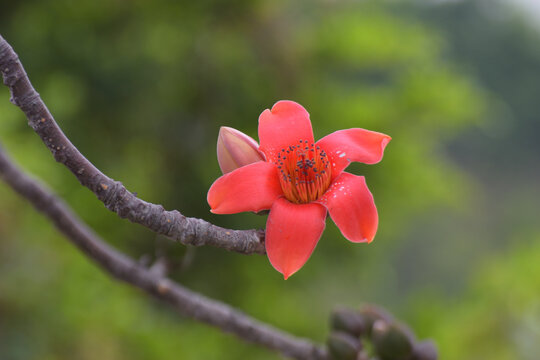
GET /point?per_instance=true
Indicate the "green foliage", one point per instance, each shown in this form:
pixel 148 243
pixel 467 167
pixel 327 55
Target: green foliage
pixel 498 318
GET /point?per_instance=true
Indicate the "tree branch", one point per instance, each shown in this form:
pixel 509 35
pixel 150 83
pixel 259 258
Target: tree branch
pixel 126 269
pixel 188 231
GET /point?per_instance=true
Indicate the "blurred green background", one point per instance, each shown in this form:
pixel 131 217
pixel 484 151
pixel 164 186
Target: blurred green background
pixel 142 87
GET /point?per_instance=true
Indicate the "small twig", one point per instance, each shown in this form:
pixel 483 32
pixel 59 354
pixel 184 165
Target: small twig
pixel 187 259
pixel 160 267
pixel 188 231
pixel 126 269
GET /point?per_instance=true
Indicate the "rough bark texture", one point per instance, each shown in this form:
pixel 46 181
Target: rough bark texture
pixel 188 231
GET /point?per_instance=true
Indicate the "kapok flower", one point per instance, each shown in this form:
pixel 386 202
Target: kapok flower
pixel 300 181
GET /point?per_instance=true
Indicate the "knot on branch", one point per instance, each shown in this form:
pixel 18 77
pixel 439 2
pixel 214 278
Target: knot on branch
pixel 113 194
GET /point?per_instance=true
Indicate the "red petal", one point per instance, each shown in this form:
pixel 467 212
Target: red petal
pixel 345 146
pixel 286 124
pixel 253 187
pixel 292 231
pixel 351 206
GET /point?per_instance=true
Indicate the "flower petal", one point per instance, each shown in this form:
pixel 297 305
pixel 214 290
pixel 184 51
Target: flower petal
pixel 253 187
pixel 286 124
pixel 292 232
pixel 345 146
pixel 352 208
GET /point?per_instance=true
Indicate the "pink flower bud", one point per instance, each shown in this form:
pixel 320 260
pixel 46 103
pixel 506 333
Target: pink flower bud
pixel 235 149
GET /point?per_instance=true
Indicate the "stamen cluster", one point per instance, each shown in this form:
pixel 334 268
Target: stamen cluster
pixel 305 172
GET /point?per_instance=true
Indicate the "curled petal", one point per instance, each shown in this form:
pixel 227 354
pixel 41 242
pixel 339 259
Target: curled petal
pixel 292 232
pixel 236 149
pixel 286 124
pixel 346 146
pixel 252 187
pixel 352 208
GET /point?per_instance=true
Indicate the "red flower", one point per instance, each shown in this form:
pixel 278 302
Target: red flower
pixel 300 181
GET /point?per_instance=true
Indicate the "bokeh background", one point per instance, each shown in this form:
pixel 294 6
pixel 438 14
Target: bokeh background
pixel 142 87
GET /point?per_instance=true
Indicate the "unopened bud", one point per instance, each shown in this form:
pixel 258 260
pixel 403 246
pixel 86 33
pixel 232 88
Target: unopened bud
pixel 348 320
pixel 236 149
pixel 425 350
pixel 343 346
pixel 372 313
pixel 392 341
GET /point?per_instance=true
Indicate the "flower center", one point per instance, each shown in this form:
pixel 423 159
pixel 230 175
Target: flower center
pixel 305 172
